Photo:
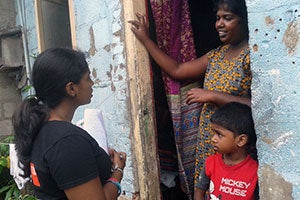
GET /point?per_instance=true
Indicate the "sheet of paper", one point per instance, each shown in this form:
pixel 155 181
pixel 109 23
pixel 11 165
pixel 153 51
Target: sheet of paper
pixel 94 125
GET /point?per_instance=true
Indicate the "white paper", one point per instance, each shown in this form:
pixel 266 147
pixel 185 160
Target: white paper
pixel 168 178
pixel 15 170
pixel 94 125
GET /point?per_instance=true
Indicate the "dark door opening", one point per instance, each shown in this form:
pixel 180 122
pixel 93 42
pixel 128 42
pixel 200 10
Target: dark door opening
pixel 205 38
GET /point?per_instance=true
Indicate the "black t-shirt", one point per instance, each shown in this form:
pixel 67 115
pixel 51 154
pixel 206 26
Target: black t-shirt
pixel 65 156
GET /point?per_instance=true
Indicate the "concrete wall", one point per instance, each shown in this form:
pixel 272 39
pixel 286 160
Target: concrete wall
pixel 274 38
pixel 9 95
pixel 8 15
pixel 9 98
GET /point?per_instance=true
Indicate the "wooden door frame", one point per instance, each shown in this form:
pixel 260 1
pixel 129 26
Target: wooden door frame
pixel 144 145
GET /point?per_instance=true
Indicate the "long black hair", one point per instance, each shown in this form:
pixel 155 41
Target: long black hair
pixel 237 118
pixel 237 7
pixel 52 70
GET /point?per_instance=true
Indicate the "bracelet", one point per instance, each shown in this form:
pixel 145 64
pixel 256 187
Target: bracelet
pixel 116 183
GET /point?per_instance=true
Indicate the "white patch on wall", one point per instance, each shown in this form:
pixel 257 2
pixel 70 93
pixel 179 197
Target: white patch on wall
pixel 282 140
pixel 274 72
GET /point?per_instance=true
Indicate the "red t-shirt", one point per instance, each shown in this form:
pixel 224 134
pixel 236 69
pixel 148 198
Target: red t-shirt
pixel 236 182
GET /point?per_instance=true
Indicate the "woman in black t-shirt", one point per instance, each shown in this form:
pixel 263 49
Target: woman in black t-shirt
pixel 63 160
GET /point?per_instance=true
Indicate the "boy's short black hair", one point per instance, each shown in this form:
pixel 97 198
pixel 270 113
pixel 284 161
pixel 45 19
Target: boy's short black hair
pixel 237 118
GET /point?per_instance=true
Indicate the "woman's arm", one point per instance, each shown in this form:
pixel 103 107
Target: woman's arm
pixel 93 189
pixel 188 70
pixel 219 98
pixel 90 190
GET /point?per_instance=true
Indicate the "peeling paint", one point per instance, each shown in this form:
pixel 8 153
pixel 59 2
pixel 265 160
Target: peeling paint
pixel 282 139
pixel 269 20
pixel 92 49
pixel 108 73
pixel 291 37
pixel 255 47
pixel 273 186
pixel 112 87
pixel 94 73
pixel 107 48
pixel 118 33
pixel 267 140
pixel 122 66
pixel 120 77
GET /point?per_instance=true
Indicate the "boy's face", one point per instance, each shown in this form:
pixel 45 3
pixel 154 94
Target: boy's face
pixel 223 140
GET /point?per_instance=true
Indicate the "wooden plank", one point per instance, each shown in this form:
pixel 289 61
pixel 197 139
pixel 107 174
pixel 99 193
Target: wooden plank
pixel 144 149
pixel 39 25
pixel 72 24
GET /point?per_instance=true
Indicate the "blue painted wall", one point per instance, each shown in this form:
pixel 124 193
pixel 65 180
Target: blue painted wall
pixel 99 33
pixel 274 38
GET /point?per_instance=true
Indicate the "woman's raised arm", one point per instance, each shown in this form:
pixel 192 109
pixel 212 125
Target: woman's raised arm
pixel 188 70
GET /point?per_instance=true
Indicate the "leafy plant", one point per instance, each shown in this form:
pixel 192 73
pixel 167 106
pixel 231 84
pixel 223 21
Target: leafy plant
pixel 8 187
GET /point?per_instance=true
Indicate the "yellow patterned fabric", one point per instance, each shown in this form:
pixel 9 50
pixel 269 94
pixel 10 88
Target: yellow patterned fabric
pixel 228 76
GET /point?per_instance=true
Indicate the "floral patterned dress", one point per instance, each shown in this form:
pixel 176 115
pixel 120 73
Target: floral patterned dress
pixel 227 76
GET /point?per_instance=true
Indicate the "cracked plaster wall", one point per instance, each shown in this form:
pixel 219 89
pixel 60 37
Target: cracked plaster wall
pixel 274 37
pixel 99 33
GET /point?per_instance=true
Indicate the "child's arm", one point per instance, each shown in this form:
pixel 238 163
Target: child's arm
pixel 199 194
pixel 201 186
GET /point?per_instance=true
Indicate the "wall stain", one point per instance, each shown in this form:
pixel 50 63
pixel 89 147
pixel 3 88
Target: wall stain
pixel 109 74
pixel 94 73
pixel 107 48
pixel 255 47
pixel 267 140
pixel 120 78
pixel 120 34
pixel 269 20
pixel 273 186
pixel 112 87
pixel 122 66
pixel 92 49
pixel 291 37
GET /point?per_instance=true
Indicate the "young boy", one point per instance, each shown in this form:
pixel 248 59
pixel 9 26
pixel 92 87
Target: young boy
pixel 232 172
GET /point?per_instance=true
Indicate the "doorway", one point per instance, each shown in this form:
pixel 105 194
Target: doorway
pixel 205 38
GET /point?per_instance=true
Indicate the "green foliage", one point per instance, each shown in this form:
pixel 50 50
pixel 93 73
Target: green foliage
pixel 26 88
pixel 8 187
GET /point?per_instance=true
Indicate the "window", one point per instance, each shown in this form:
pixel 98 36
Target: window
pixel 53 24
